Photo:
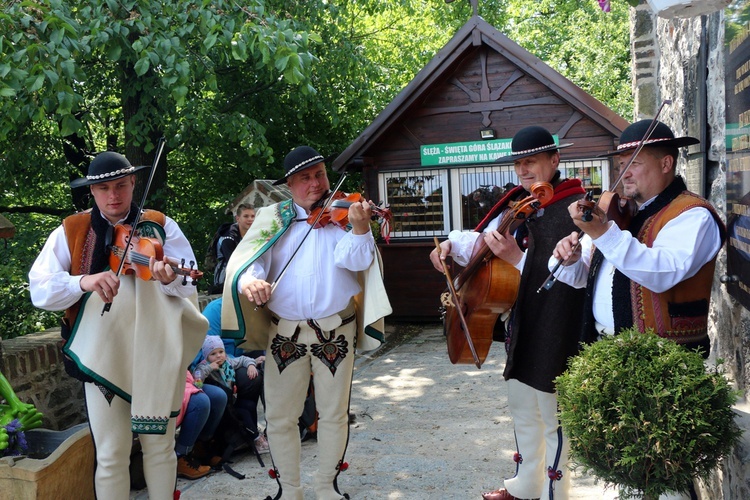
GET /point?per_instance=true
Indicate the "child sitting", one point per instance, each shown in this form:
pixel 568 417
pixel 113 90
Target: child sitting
pixel 238 376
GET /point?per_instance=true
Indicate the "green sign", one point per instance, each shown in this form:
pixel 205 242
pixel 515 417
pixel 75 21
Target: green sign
pixel 460 153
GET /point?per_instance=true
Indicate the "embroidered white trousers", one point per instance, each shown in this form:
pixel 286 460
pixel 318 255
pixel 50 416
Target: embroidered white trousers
pixel 286 390
pixel 113 438
pixel 542 447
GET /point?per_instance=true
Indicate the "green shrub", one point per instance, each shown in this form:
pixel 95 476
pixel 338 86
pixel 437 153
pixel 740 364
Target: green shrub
pixel 643 413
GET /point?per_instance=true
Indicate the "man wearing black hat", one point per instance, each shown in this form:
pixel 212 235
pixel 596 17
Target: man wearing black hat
pixel 309 309
pixel 542 330
pixel 657 271
pixel 132 358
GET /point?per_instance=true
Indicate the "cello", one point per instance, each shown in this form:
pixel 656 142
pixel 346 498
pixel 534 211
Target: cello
pixel 486 288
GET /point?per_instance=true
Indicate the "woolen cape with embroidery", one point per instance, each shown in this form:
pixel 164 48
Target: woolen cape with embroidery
pixel 239 317
pixel 152 337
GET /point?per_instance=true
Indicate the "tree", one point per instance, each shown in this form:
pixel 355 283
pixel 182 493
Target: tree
pixel 233 86
pixel 85 76
pixel 120 74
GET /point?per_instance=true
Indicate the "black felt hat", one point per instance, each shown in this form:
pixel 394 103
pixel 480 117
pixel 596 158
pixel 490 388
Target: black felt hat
pixel 662 136
pixel 106 166
pixel 530 141
pixel 300 158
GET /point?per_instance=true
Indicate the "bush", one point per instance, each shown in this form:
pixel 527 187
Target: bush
pixel 643 413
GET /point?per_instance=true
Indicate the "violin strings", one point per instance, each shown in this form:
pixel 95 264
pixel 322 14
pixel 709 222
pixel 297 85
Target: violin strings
pixel 142 259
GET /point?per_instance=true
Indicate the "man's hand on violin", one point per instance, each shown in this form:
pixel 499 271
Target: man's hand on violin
pixel 568 250
pixel 504 246
pixel 437 259
pixel 596 227
pixel 105 284
pixel 161 270
pixel 359 217
pixel 257 291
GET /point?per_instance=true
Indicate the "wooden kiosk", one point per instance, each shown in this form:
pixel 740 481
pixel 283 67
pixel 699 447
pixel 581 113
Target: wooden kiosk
pixel 435 153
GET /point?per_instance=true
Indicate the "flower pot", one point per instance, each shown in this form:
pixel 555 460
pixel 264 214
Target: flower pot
pixel 59 464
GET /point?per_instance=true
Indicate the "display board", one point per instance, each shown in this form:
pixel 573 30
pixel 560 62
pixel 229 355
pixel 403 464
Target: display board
pixel 737 78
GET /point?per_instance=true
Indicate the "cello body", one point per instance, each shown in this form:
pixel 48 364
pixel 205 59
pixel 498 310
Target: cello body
pixel 491 291
pixel 487 287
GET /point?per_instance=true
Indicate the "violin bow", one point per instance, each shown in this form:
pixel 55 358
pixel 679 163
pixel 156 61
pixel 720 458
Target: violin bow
pixel 457 305
pixel 650 130
pixel 317 219
pixel 159 149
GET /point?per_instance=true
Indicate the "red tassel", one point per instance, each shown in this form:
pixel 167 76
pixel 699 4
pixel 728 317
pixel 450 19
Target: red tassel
pixel 273 473
pixel 554 475
pixel 176 494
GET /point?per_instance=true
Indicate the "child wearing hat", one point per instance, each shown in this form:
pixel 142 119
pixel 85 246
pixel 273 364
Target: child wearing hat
pixel 219 369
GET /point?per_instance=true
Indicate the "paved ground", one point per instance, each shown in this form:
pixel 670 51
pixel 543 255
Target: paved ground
pixel 424 429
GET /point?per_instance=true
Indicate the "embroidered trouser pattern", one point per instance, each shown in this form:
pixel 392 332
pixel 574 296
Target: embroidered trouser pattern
pixel 329 357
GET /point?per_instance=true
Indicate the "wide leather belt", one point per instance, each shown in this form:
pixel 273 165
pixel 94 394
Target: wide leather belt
pixel 275 319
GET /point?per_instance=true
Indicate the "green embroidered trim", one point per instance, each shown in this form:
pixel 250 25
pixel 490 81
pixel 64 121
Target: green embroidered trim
pixel 285 213
pixel 282 220
pixel 375 333
pixel 150 229
pixel 149 425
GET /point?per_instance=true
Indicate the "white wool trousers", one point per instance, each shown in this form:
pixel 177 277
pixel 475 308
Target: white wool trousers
pixel 113 438
pixel 542 446
pixel 286 390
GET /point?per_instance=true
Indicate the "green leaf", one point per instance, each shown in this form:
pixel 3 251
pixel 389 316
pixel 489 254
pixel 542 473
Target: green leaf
pixel 281 63
pixel 210 41
pixel 38 82
pixel 114 52
pixel 69 125
pixel 141 66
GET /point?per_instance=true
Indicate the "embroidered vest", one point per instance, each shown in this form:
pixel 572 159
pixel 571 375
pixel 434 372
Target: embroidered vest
pixel 680 313
pixel 81 240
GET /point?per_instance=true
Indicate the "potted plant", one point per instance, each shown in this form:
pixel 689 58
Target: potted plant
pixel 645 414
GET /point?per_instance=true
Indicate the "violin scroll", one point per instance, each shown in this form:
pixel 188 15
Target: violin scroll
pixel 542 191
pixel 610 207
pixel 337 212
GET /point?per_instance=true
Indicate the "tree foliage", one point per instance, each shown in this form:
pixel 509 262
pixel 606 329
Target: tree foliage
pixel 233 86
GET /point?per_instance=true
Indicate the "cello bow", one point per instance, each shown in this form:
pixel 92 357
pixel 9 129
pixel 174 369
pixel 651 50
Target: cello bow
pixel 458 305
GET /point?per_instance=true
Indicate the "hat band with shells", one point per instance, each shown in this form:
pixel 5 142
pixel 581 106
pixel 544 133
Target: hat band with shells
pixel 309 161
pixel 122 171
pixel 534 150
pixel 633 144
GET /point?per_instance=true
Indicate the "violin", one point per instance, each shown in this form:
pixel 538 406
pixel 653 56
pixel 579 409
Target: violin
pixel 139 252
pixel 610 207
pixel 610 203
pixel 337 213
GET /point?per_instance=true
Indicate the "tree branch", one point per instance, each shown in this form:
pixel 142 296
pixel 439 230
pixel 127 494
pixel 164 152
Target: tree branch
pixel 36 209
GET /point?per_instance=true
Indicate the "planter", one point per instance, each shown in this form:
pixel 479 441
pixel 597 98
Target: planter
pixel 59 464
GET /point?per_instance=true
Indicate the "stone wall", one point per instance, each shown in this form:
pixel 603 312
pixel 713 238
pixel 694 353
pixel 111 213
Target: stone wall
pixel 33 365
pixel 668 64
